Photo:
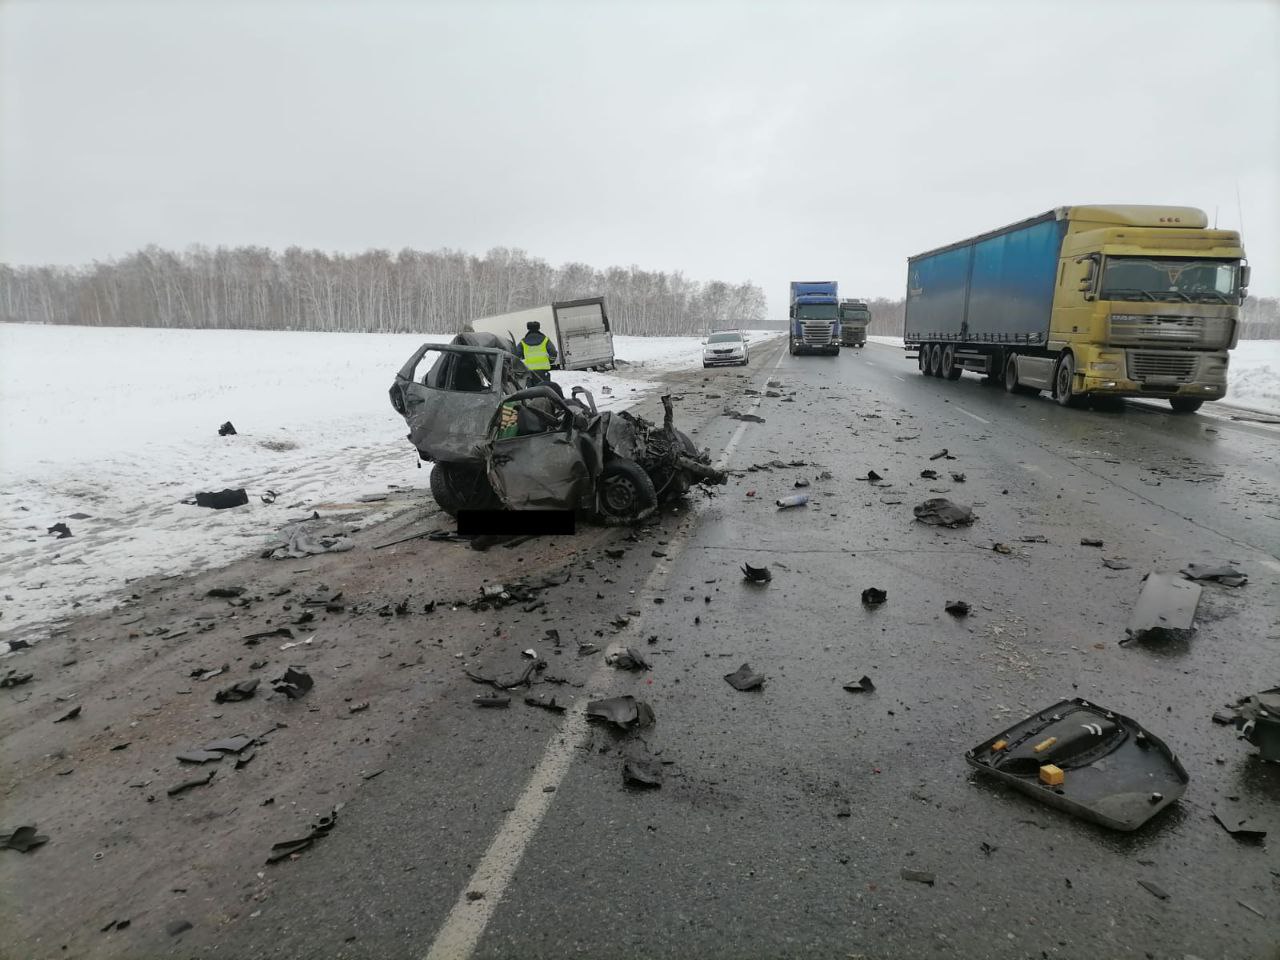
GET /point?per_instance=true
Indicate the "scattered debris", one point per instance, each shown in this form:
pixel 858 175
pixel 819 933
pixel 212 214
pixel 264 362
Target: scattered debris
pixel 222 500
pixel 492 700
pixel 227 430
pixel 293 683
pixel 1090 542
pixel 625 712
pixel 860 686
pixel 795 500
pixel 744 678
pixel 200 756
pixel 1238 827
pixel 296 643
pixel 116 925
pixel 188 784
pixel 871 476
pixel 1248 906
pixel 1112 564
pixel 874 596
pixel 957 608
pixel 957 478
pixel 545 703
pixel 756 574
pixel 628 658
pixel 253 639
pixel 928 474
pixel 987 848
pixel 61 529
pixel 1034 538
pixel 15 679
pixel 225 593
pixel 358 707
pixel 201 673
pixel 749 417
pixel 70 714
pixel 306 543
pixel 269 497
pixel 1221 573
pixel 1154 889
pixel 918 876
pixel 942 453
pixel 22 839
pixel 940 512
pixel 287 849
pixel 636 773
pixel 1139 778
pixel 801 483
pixel 1166 608
pixel 1002 548
pixel 1258 720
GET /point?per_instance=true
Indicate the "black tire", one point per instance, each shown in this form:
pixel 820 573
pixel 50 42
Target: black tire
pixel 462 487
pixel 1064 378
pixel 950 369
pixel 791 347
pixel 1185 404
pixel 922 358
pixel 624 493
pixel 935 360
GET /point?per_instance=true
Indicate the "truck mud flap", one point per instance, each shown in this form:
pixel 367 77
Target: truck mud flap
pixel 1086 761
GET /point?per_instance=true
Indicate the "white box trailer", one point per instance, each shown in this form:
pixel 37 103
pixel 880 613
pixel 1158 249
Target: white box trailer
pixel 578 328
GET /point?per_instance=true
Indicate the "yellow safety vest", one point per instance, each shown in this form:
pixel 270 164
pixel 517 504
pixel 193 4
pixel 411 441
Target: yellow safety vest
pixel 535 355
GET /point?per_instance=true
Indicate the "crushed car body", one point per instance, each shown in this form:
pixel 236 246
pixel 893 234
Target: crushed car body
pixel 501 437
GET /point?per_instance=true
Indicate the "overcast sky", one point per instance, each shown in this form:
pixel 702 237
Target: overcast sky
pixel 734 141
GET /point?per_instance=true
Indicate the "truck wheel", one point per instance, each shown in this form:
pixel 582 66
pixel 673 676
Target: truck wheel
pixel 1064 380
pixel 935 360
pixel 458 486
pixel 625 493
pixel 950 369
pixel 922 358
pixel 1185 404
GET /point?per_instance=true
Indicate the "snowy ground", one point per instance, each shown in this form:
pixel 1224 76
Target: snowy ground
pixel 1253 380
pixel 121 424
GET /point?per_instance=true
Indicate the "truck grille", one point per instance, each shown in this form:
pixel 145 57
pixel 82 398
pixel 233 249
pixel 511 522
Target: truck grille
pixel 817 332
pixel 1214 332
pixel 1180 367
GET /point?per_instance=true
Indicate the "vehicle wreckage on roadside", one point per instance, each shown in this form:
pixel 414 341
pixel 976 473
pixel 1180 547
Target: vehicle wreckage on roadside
pixel 499 436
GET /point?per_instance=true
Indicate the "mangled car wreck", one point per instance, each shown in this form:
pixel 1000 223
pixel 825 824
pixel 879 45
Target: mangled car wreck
pixel 500 437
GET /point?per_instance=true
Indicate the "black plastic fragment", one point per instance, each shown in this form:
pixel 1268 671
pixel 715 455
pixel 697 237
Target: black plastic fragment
pixel 70 714
pixel 225 593
pixel 918 876
pixel 957 477
pixel 1112 564
pixel 199 756
pixel 801 483
pixel 288 848
pixel 14 679
pixel 188 784
pixel 61 529
pixel 492 700
pixel 928 474
pixel 860 686
pixel 744 678
pixel 1221 573
pixel 234 744
pixel 243 690
pixel 871 476
pixel 630 659
pixel 253 639
pixel 293 683
pixel 221 500
pixel 942 453
pixel 545 703
pixel 1090 542
pixel 1154 889
pixel 1166 608
pixel 756 574
pixel 874 596
pixel 626 712
pixel 1237 827
pixel 957 608
pixel 941 512
pixel 646 776
pixel 227 430
pixel 22 839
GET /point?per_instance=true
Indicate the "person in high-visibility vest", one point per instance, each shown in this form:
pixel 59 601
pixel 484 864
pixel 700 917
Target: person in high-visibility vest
pixel 537 350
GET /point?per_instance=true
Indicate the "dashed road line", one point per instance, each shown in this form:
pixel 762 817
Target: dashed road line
pixel 968 414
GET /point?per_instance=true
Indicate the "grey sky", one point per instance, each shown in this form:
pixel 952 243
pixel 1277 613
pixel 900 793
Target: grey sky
pixel 735 141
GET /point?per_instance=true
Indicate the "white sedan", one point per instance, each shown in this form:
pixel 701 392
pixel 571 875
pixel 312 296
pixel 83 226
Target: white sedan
pixel 727 348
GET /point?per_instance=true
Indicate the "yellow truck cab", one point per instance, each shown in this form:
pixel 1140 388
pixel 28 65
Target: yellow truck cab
pixel 1086 302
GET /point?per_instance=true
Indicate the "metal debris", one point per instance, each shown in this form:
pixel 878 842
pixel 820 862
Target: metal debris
pixel 928 474
pixel 1154 889
pixel 61 529
pixel 545 703
pixel 1221 573
pixel 293 683
pixel 1257 717
pixel 860 686
pixel 942 453
pixel 188 784
pixel 1166 608
pixel 1112 564
pixel 13 678
pixel 874 596
pixel 940 512
pixel 756 574
pixel 625 712
pixel 69 715
pixel 872 476
pixel 1238 827
pixel 744 678
pixel 22 839
pixel 957 477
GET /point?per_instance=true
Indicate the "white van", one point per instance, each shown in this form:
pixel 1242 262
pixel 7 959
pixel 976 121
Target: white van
pixel 578 328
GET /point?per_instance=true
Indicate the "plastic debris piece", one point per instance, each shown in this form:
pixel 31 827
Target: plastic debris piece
pixel 744 678
pixel 254 638
pixel 942 453
pixel 188 784
pixel 1035 538
pixel 61 529
pixel 545 703
pixel 1258 719
pixel 626 712
pixel 756 574
pixel 629 659
pixel 1166 608
pixel 795 500
pixel 22 839
pixel 941 512
pixel 243 690
pixel 1154 889
pixel 874 596
pixel 957 608
pixel 801 484
pixel 14 679
pixel 957 478
pixel 492 700
pixel 293 683
pixel 230 744
pixel 225 593
pixel 70 714
pixel 199 756
pixel 1237 827
pixel 358 707
pixel 872 476
pixel 987 848
pixel 531 653
pixel 918 876
pixel 1221 573
pixel 928 474
pixel 221 500
pixel 1090 542
pixel 227 430
pixel 1112 564
pixel 860 686
pixel 1002 548
pixel 287 849
pixel 646 776
pixel 587 649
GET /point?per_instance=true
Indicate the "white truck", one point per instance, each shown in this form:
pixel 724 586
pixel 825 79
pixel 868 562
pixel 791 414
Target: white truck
pixel 578 328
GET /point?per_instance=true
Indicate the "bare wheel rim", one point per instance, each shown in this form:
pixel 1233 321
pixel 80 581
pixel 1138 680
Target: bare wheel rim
pixel 620 495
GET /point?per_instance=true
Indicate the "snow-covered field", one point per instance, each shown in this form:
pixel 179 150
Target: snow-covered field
pixel 121 424
pixel 1252 382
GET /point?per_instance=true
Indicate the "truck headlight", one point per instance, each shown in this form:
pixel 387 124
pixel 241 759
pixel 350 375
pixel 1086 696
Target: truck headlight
pixel 1105 366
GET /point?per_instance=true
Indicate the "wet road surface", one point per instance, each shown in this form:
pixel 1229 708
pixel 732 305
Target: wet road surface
pixel 787 814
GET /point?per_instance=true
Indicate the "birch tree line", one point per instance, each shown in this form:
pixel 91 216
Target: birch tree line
pixel 376 291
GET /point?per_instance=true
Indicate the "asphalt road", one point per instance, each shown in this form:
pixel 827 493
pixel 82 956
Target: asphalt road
pixel 742 852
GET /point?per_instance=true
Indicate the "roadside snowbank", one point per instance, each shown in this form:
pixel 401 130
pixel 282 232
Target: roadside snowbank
pixel 122 424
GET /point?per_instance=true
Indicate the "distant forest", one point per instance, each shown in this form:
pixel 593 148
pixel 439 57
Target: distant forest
pixel 376 291
pixel 408 292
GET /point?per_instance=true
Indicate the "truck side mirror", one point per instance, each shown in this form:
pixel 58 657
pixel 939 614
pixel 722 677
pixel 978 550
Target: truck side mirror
pixel 1090 275
pixel 1245 272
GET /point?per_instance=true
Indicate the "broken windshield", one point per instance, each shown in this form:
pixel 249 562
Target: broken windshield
pixel 1170 279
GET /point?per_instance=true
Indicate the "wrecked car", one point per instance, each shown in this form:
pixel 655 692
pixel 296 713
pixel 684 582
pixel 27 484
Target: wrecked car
pixel 499 436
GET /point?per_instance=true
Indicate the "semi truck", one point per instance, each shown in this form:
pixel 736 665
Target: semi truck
pixel 579 328
pixel 815 317
pixel 854 317
pixel 1086 302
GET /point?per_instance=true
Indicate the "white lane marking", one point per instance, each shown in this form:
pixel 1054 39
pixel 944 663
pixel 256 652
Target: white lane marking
pixel 1270 563
pixel 869 363
pixel 1030 466
pixel 896 377
pixel 968 414
pixel 460 933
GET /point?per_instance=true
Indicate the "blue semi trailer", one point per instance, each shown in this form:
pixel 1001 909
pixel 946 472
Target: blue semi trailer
pixel 815 317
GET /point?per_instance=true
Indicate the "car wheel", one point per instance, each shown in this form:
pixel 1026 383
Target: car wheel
pixel 624 493
pixel 1064 383
pixel 1185 404
pixel 457 486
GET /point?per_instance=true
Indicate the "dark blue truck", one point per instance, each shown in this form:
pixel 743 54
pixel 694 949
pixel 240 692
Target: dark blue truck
pixel 815 317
